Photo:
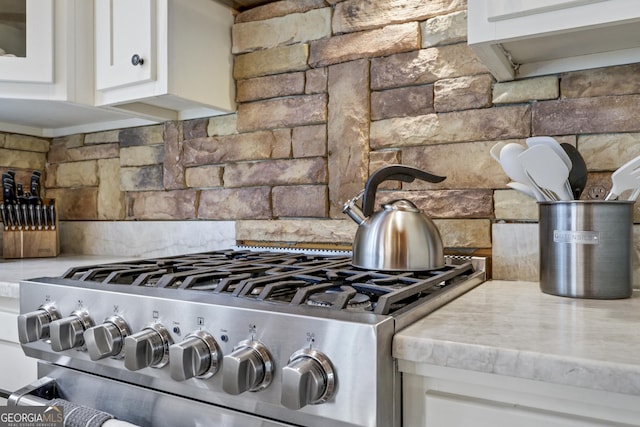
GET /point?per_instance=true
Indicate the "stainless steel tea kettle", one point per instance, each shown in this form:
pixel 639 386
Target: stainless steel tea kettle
pixel 399 237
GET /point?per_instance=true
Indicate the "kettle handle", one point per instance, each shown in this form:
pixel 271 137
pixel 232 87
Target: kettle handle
pixel 392 173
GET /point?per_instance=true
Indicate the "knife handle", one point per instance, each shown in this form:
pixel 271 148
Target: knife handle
pixel 52 212
pixel 38 209
pixel 5 223
pixel 11 215
pixel 17 216
pixel 32 217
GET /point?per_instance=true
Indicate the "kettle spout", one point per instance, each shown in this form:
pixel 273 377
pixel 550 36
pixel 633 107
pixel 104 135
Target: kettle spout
pixel 353 211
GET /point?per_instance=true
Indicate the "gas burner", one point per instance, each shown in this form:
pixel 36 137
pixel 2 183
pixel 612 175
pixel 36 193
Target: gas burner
pixel 335 298
pixel 281 278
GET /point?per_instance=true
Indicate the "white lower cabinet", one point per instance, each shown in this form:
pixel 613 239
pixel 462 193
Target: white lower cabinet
pixel 16 369
pixel 434 396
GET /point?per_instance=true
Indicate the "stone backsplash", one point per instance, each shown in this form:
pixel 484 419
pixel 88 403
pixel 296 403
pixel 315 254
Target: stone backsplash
pixel 329 91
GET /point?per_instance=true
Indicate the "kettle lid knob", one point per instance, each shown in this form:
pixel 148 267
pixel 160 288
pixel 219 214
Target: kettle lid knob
pixel 401 205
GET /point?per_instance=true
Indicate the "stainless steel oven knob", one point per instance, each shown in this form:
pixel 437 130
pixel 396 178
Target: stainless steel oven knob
pixel 197 356
pixel 67 333
pixel 107 339
pixel 34 325
pixel 147 348
pixel 308 378
pixel 248 368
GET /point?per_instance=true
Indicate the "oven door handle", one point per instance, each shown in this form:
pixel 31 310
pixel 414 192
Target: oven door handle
pixel 35 393
pixel 44 392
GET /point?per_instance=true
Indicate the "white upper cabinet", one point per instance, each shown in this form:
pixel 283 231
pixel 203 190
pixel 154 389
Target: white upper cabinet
pixel 27 49
pixel 39 41
pixel 125 40
pixel 47 88
pixel 535 37
pixel 164 59
pixel 77 66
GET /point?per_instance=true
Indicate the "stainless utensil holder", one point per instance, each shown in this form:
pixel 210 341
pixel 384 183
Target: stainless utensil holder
pixel 585 248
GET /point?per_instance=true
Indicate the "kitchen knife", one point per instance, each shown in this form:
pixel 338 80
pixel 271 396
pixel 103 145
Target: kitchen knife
pixel 8 189
pixel 7 193
pixel 36 204
pixel 32 216
pixel 23 209
pixel 52 213
pixel 8 196
pixel 17 211
pixel 3 213
pixel 11 218
pixel 8 180
pixel 34 186
pixel 45 216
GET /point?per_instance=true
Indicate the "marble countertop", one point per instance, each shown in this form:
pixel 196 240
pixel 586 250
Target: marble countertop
pixel 513 329
pixel 12 271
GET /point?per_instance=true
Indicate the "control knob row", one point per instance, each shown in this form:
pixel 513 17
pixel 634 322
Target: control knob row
pixel 308 377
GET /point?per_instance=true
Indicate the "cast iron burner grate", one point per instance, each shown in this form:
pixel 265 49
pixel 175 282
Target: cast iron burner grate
pixel 318 281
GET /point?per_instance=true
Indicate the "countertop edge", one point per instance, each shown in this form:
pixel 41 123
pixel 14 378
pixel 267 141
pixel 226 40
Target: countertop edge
pixel 538 366
pixel 472 339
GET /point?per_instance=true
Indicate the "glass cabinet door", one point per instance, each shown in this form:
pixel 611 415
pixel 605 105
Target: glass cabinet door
pixel 26 40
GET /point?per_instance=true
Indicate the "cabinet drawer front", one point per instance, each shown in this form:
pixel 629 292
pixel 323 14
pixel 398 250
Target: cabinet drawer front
pixel 125 29
pixel 444 409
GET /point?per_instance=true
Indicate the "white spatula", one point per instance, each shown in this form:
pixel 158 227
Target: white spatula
pixel 551 143
pixel 627 177
pixel 513 168
pixel 548 171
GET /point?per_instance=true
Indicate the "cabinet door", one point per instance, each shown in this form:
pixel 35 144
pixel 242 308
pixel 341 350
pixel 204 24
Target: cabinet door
pixel 26 31
pixel 125 42
pixel 498 10
pixel 444 409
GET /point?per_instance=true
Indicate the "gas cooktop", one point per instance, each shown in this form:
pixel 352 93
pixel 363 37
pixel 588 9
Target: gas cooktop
pixel 298 337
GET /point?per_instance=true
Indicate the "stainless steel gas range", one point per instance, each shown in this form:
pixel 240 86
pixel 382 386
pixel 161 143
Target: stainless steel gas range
pixel 239 337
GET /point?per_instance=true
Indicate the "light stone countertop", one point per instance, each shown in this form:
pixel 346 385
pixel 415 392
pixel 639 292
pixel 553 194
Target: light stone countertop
pixel 12 271
pixel 511 328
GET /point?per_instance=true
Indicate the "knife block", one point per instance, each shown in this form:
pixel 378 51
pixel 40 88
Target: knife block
pixel 31 243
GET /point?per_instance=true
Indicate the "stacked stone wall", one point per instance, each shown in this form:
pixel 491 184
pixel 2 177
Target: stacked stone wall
pixel 328 92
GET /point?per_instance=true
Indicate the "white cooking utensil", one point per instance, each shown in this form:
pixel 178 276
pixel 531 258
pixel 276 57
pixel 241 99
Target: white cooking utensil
pixel 513 168
pixel 553 144
pixel 495 150
pixel 548 171
pixel 626 177
pixel 523 188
